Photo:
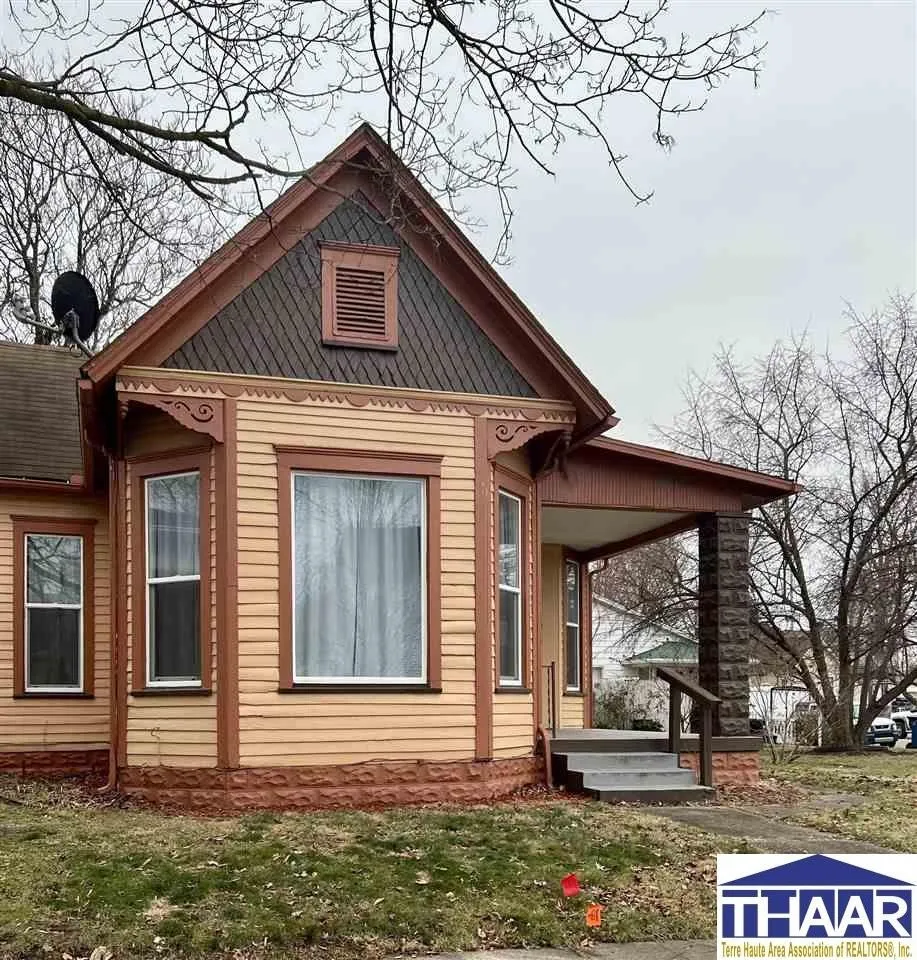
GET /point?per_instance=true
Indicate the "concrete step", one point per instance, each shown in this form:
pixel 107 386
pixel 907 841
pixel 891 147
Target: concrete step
pixel 611 779
pixel 638 743
pixel 622 761
pixel 652 795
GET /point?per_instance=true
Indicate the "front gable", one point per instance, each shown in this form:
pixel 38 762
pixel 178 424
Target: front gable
pixel 274 326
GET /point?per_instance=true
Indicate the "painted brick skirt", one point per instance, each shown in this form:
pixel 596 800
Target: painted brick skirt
pixel 51 764
pixel 376 784
pixel 730 768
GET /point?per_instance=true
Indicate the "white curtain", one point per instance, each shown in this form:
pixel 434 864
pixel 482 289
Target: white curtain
pixel 358 577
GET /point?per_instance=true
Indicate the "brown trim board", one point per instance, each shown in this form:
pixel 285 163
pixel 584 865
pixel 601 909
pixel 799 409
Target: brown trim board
pixel 61 526
pixel 428 468
pixel 483 624
pixel 227 605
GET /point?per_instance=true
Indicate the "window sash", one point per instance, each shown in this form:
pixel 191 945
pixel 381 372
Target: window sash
pixel 572 598
pixel 362 679
pixel 514 679
pixel 151 679
pixel 34 605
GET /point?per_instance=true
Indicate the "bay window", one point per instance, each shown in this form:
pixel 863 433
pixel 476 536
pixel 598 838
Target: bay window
pixel 360 570
pixel 171 574
pixel 173 579
pixel 509 588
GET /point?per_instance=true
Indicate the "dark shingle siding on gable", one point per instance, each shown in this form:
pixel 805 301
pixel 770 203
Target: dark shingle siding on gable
pixel 39 412
pixel 273 328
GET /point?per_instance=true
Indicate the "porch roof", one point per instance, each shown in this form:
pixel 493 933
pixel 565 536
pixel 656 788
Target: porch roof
pixel 613 495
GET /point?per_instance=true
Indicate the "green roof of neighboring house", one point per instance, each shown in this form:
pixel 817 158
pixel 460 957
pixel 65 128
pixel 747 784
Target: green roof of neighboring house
pixel 669 651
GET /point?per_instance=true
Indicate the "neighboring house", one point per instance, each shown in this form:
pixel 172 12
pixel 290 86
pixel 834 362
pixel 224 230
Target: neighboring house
pixel 627 647
pixel 311 530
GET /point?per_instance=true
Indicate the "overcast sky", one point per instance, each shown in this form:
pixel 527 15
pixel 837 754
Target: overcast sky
pixel 776 206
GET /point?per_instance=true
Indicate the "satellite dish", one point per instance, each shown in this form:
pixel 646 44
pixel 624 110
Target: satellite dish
pixel 75 306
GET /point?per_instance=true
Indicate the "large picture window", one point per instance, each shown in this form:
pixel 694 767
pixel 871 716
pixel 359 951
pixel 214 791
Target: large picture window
pixel 359 592
pixel 53 589
pixel 53 612
pixel 509 588
pixel 360 570
pixel 173 579
pixel 573 650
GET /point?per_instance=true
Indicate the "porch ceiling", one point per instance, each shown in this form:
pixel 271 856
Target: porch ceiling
pixel 588 528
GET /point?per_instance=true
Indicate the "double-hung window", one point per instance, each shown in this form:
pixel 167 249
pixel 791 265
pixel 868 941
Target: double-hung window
pixel 509 588
pixel 53 589
pixel 53 613
pixel 573 649
pixel 173 579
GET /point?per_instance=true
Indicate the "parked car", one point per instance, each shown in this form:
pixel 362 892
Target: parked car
pixel 883 731
pixel 903 712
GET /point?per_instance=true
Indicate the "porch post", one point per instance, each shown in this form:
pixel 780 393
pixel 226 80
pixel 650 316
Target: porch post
pixel 723 617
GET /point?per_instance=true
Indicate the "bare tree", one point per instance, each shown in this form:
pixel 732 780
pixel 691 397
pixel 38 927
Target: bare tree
pixel 130 229
pixel 462 90
pixel 834 569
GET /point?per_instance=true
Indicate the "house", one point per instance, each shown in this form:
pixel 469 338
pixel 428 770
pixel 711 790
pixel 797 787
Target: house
pixel 311 531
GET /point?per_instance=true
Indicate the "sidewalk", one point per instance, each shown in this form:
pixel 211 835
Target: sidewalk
pixel 673 950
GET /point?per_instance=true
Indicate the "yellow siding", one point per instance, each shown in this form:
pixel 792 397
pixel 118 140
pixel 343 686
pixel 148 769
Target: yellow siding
pixel 309 728
pixel 43 724
pixel 176 731
pixel 553 629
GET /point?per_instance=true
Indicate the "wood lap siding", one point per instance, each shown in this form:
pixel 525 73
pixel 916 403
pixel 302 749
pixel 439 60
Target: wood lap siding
pixel 175 731
pixel 44 723
pixel 316 728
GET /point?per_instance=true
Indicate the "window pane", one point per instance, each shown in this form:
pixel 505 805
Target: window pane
pixel 173 526
pixel 54 647
pixel 53 569
pixel 175 635
pixel 572 593
pixel 509 540
pixel 358 577
pixel 572 658
pixel 510 667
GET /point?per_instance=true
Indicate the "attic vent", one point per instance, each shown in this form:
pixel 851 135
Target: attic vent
pixel 359 296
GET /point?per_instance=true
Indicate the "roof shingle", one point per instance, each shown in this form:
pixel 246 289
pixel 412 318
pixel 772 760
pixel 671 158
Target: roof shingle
pixel 39 412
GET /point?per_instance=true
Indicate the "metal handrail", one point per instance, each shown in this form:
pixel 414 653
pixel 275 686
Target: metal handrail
pixel 706 701
pixel 552 699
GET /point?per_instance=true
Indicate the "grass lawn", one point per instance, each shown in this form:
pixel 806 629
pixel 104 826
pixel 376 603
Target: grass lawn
pixel 74 876
pixel 883 784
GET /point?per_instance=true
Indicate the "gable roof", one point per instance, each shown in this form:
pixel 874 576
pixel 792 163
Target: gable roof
pixel 440 347
pixel 474 282
pixel 669 651
pixel 39 412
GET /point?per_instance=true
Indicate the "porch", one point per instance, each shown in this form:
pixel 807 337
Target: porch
pixel 611 497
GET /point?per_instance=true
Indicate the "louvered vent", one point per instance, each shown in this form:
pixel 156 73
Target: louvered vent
pixel 359 303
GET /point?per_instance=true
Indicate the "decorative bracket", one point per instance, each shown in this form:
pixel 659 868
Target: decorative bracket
pixel 506 435
pixel 200 414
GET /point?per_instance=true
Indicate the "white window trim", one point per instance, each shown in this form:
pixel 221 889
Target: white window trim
pixel 506 588
pixel 56 688
pixel 419 681
pixel 152 581
pixel 578 688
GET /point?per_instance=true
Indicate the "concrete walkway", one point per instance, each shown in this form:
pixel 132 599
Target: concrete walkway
pixel 673 950
pixel 764 830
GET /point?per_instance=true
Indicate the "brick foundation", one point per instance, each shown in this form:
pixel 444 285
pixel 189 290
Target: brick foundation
pixel 729 768
pixel 53 764
pixel 348 786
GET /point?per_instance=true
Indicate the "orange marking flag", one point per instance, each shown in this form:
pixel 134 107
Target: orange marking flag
pixel 594 915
